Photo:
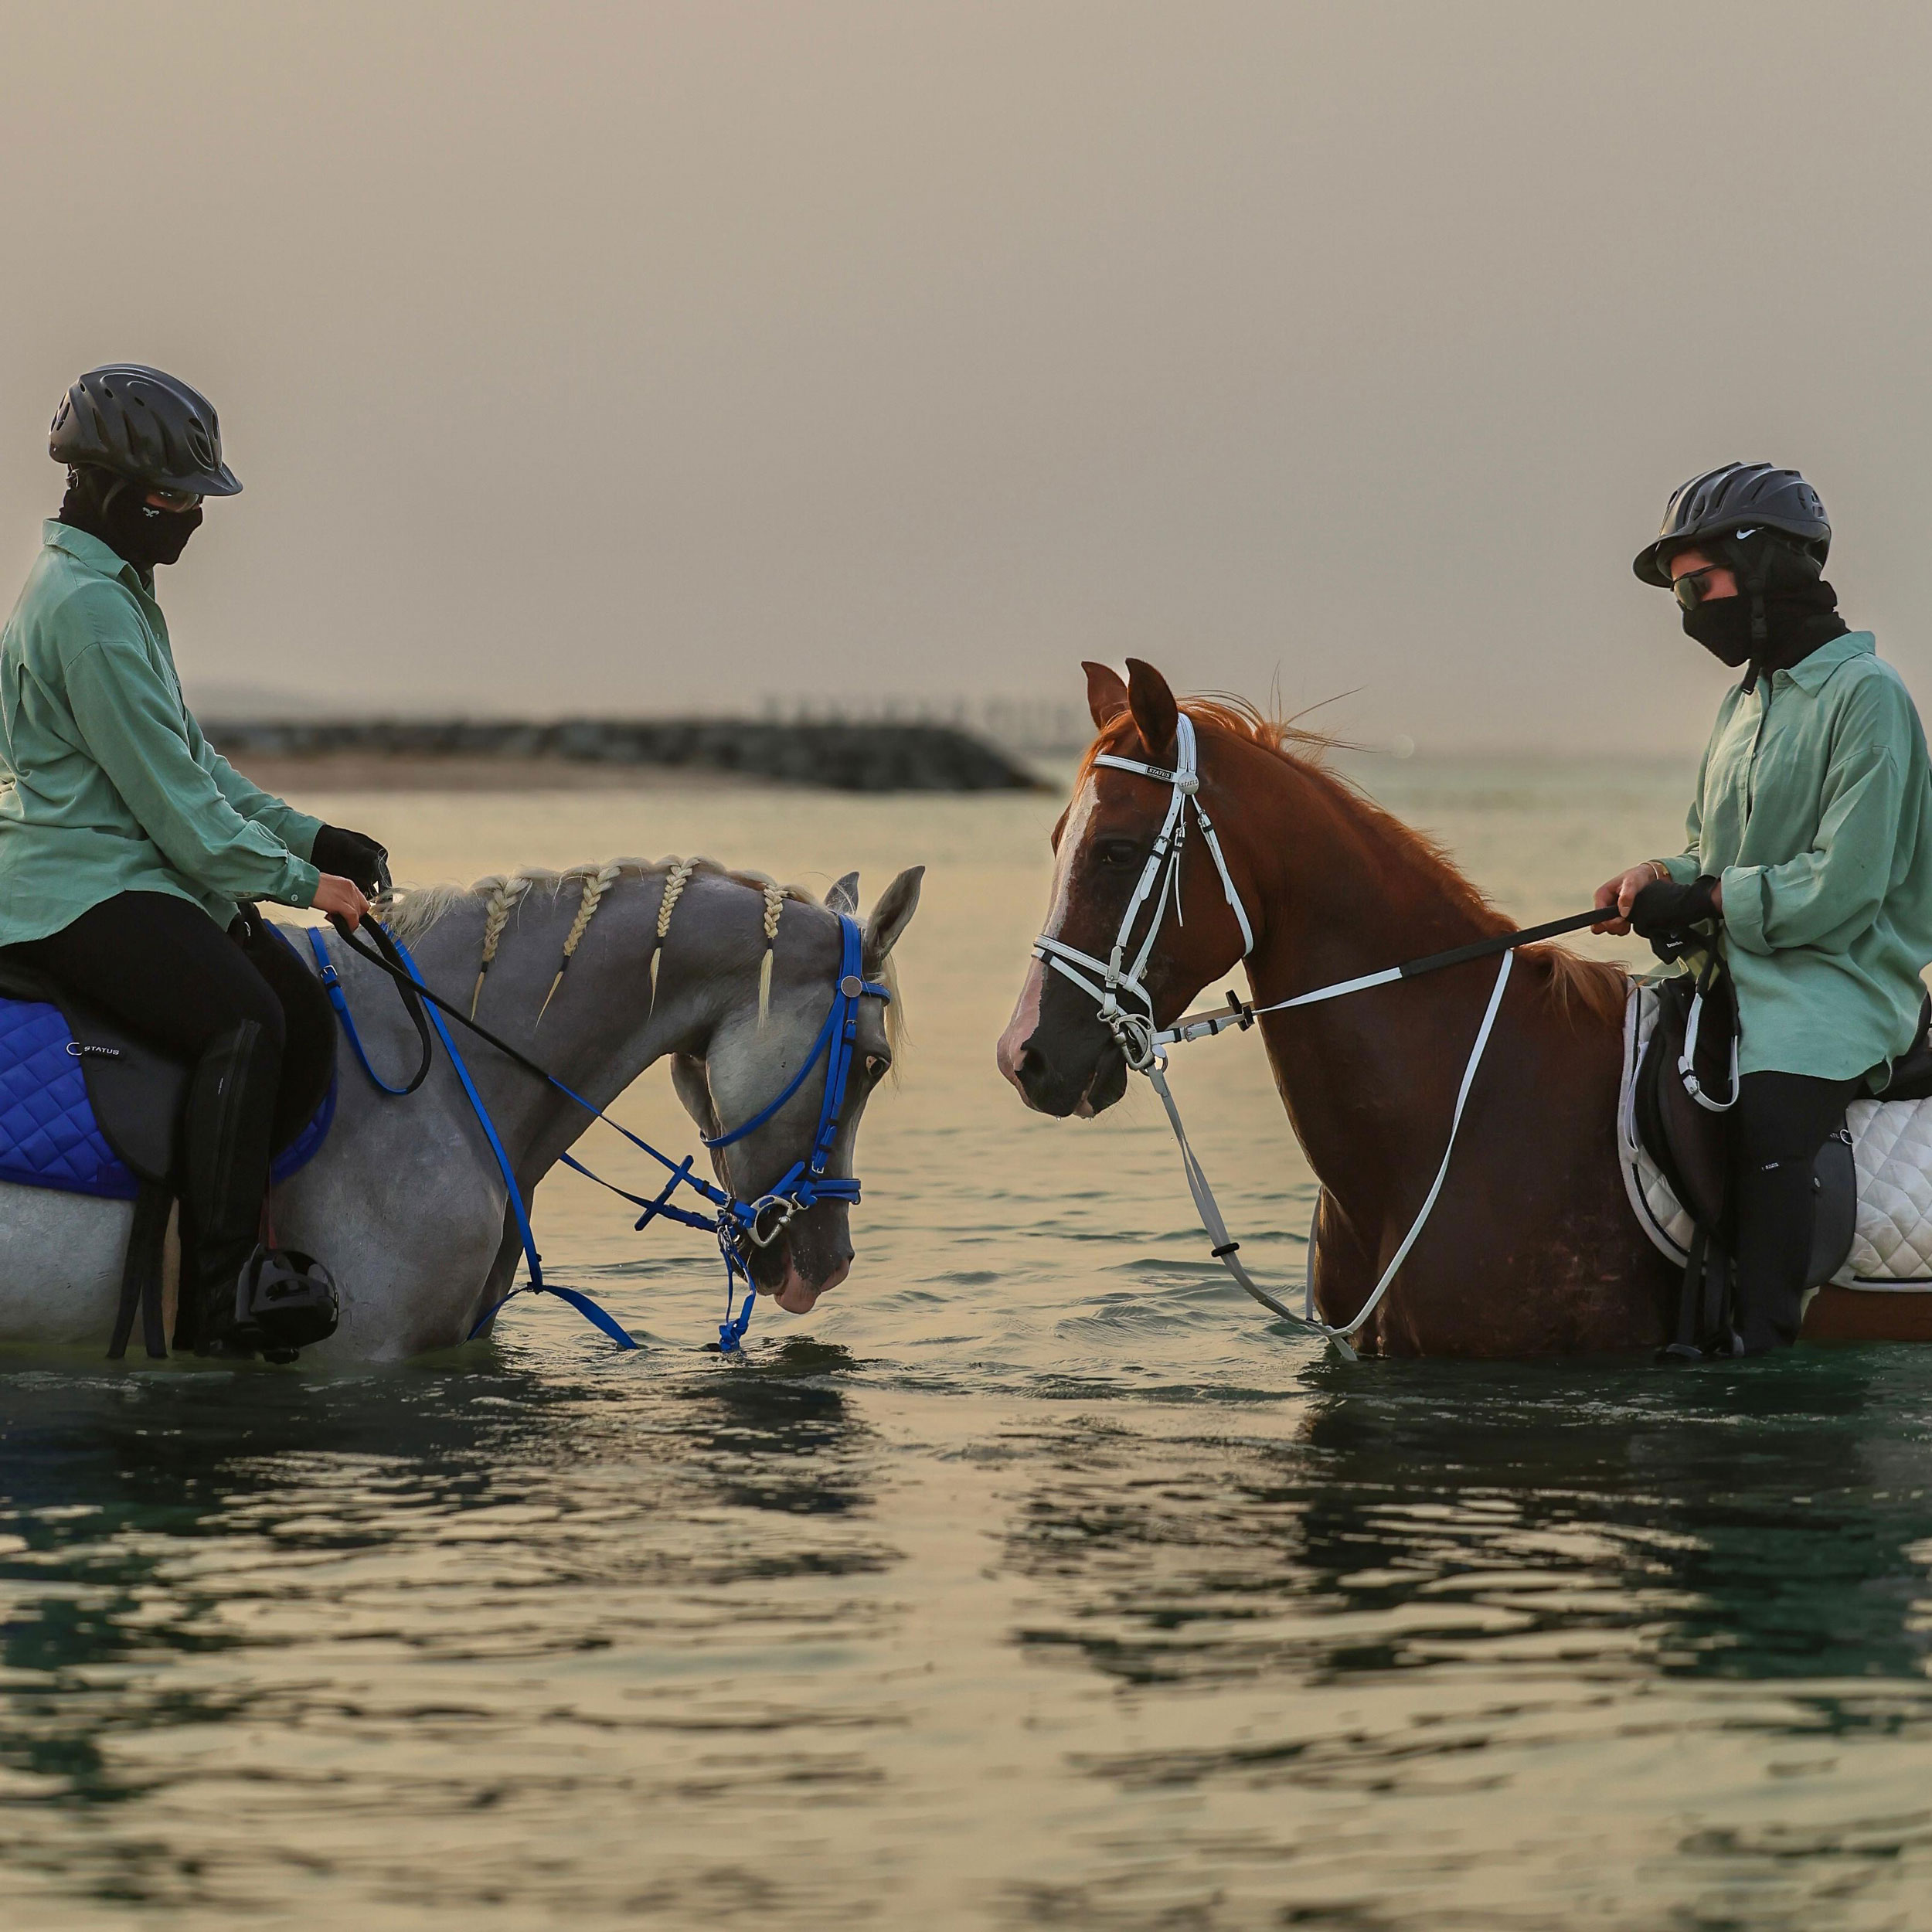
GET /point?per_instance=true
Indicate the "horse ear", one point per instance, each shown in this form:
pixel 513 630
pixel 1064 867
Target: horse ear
pixel 1106 694
pixel 1151 701
pixel 891 917
pixel 844 895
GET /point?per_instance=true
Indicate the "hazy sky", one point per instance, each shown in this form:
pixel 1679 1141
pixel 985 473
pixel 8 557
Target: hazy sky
pixel 658 356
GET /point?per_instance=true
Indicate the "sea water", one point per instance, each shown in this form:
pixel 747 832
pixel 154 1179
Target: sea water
pixel 1034 1579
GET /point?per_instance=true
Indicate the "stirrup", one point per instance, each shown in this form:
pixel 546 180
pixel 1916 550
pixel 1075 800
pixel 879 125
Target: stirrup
pixel 285 1301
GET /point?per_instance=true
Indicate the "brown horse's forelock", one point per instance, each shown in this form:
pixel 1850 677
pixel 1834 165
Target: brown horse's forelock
pixel 1596 986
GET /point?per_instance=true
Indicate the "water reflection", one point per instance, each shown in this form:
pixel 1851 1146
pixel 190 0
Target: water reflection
pixel 1768 1524
pixel 1567 1622
pixel 778 1433
pixel 186 1556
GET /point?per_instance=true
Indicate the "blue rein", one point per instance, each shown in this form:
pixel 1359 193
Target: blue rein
pixel 736 1224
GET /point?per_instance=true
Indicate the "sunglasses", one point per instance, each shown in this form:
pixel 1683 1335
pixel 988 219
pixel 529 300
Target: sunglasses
pixel 1690 589
pixel 180 502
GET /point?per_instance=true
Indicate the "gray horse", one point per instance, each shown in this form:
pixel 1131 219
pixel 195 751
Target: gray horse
pixel 727 974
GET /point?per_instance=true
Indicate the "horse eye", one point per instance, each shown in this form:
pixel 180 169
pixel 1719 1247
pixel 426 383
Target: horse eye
pixel 1117 854
pixel 876 1065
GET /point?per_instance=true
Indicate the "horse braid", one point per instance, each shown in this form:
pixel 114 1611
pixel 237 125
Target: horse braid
pixel 674 881
pixel 774 905
pixel 505 892
pixel 595 885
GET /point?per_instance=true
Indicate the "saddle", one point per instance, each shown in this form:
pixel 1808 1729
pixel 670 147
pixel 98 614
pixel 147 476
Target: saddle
pixel 1680 1110
pixel 87 1107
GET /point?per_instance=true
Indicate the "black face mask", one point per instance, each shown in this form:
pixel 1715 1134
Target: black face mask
pixel 117 511
pixel 1722 626
pixel 1796 621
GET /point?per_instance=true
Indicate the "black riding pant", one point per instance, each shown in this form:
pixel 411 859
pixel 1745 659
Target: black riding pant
pixel 167 971
pixel 1782 1121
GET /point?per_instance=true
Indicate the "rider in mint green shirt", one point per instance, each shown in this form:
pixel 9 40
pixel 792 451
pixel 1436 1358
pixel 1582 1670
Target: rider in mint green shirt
pixel 1809 857
pixel 108 785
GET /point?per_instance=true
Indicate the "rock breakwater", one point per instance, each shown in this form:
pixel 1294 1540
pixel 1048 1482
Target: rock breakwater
pixel 865 757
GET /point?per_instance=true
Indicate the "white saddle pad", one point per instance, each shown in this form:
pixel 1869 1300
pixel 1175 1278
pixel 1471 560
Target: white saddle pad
pixel 1891 1147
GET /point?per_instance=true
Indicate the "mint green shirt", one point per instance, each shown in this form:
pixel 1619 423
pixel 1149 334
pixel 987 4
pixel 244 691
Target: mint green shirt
pixel 107 784
pixel 1815 807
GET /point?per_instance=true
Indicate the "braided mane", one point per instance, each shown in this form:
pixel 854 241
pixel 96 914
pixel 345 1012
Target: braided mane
pixel 410 911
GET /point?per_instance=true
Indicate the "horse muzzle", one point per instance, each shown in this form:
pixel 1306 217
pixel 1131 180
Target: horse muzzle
pixel 812 1253
pixel 1063 1062
pixel 1049 1085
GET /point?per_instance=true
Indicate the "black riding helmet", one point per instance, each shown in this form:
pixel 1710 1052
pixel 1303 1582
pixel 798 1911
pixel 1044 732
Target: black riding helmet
pixel 144 425
pixel 1735 501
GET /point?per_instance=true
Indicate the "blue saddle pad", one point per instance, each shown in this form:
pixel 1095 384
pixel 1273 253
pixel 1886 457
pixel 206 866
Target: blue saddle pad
pixel 48 1136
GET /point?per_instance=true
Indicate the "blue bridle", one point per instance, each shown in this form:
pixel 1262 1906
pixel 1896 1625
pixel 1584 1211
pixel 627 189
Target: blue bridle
pixel 737 1225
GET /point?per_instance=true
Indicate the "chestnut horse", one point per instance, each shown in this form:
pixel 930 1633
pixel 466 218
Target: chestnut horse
pixel 1531 1248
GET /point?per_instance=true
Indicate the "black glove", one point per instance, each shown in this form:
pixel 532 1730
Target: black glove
pixel 353 855
pixel 1664 912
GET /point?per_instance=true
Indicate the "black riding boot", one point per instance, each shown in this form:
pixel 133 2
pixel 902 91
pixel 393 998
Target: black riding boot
pixel 1775 1215
pixel 231 1106
pixel 1782 1121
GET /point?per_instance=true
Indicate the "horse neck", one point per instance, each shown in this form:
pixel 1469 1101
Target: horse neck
pixel 1343 889
pixel 602 1028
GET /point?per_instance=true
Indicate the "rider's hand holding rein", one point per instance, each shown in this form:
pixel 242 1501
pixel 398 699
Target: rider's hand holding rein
pixel 1622 892
pixel 354 855
pixel 340 899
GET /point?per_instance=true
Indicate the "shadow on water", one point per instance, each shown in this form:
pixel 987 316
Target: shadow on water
pixel 1760 1521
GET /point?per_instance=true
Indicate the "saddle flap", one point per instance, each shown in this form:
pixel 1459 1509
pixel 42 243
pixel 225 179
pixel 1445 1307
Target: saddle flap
pixel 1689 1142
pixel 136 1092
pixel 1689 1146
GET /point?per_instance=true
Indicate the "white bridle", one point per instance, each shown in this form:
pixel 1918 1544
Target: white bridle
pixel 1144 1045
pixel 1160 880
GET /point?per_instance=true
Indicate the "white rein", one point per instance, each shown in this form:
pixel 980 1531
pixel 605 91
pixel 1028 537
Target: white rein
pixel 1144 1045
